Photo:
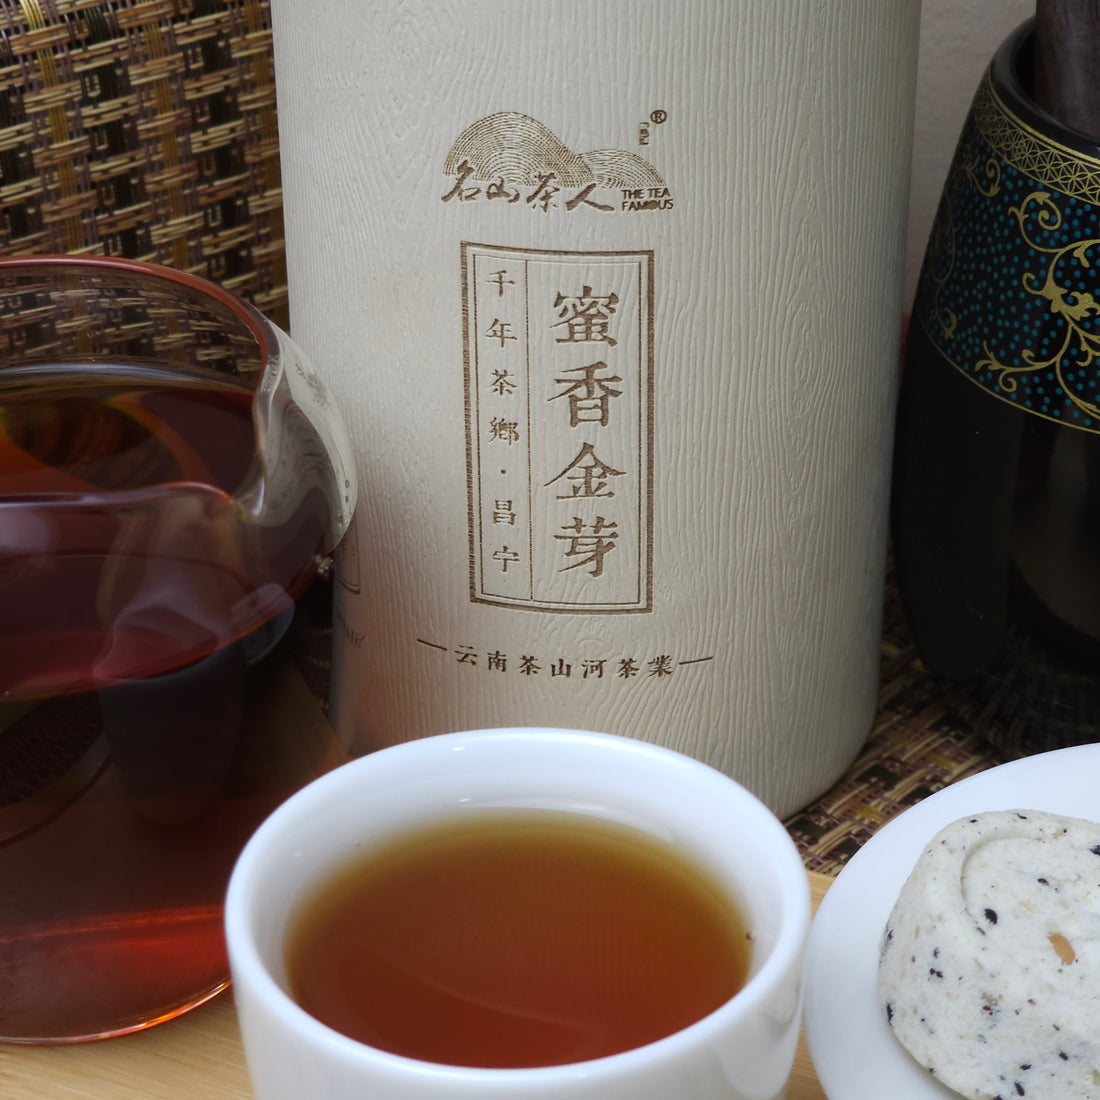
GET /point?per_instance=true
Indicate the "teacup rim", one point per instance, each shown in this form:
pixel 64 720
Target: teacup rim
pixel 789 944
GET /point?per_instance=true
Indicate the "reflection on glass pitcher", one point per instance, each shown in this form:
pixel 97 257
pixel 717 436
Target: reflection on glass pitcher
pixel 174 484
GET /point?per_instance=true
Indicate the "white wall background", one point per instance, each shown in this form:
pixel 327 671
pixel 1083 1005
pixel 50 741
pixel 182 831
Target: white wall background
pixel 958 39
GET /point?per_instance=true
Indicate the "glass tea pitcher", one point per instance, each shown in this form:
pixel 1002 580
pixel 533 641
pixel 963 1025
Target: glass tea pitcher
pixel 174 482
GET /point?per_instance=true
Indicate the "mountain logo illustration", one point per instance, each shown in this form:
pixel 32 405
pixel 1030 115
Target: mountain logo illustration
pixel 512 156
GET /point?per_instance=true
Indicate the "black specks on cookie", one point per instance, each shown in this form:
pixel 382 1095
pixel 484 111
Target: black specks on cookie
pixel 991 916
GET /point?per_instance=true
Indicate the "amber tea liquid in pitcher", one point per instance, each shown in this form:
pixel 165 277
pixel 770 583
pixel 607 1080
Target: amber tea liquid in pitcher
pixel 153 707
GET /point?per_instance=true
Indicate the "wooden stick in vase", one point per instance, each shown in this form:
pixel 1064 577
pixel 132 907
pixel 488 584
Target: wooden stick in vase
pixel 1067 62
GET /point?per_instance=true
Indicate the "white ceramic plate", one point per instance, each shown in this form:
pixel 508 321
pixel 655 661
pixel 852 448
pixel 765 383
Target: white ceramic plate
pixel 854 1052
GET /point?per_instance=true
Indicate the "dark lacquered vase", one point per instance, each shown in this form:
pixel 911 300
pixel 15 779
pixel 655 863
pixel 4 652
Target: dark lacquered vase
pixel 996 506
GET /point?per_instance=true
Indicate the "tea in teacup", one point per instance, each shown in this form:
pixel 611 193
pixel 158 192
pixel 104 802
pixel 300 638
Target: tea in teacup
pixel 519 914
pixel 517 938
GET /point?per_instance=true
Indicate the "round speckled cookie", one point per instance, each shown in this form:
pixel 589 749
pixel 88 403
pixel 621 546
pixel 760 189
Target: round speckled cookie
pixel 989 967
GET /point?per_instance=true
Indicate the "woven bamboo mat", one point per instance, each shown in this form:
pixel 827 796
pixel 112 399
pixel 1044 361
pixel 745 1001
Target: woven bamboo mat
pixel 922 740
pixel 144 129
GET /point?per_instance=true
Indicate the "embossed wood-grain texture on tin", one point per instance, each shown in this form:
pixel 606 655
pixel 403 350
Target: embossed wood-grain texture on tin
pixel 778 137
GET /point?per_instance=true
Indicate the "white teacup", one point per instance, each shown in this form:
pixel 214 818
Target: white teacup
pixel 743 1050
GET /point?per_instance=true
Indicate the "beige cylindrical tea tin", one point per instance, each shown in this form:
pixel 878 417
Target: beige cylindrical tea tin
pixel 609 294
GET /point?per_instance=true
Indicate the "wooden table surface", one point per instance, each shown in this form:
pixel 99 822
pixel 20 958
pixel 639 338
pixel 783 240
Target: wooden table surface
pixel 197 1057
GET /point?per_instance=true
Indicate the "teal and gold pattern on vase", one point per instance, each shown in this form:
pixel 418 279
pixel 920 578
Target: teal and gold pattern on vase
pixel 1010 288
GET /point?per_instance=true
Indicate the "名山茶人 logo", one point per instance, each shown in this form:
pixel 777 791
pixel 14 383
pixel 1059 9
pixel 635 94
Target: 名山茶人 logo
pixel 509 157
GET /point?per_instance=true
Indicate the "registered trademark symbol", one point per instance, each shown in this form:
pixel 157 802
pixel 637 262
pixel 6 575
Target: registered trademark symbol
pixel 658 117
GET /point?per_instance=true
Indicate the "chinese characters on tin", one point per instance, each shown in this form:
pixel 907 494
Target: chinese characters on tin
pixel 586 394
pixel 558 374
